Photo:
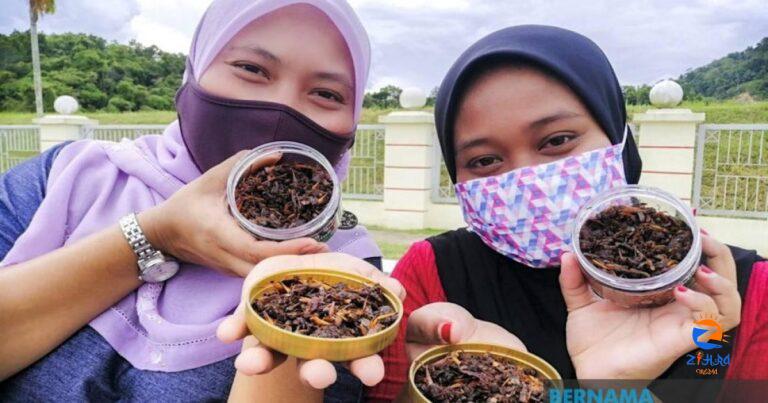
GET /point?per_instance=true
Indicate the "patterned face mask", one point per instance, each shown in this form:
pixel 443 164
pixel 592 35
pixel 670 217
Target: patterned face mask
pixel 525 214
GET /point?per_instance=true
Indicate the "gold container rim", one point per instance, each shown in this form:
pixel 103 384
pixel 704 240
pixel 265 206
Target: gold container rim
pixel 518 357
pixel 345 276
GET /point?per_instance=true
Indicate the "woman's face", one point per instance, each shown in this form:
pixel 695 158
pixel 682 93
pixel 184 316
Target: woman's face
pixel 294 56
pixel 512 117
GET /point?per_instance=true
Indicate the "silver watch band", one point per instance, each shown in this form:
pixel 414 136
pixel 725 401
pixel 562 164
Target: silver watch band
pixel 135 237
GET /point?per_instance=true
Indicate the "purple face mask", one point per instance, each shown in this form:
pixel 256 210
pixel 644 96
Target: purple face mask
pixel 215 128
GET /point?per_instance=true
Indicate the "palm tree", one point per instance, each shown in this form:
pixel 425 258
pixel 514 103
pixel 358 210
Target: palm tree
pixel 36 9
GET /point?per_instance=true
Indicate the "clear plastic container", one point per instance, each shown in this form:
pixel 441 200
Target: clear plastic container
pixel 322 227
pixel 645 292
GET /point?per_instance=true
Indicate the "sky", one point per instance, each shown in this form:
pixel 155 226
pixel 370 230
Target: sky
pixel 414 42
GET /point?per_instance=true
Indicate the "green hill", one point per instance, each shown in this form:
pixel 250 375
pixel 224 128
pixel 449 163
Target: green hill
pixel 113 77
pixel 741 74
pixel 101 75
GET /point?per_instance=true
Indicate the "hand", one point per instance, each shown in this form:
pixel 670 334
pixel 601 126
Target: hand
pixel 195 226
pixel 255 359
pixel 446 323
pixel 607 341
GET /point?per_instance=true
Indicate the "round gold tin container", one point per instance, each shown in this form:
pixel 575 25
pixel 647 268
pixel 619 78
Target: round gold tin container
pixel 518 357
pixel 307 347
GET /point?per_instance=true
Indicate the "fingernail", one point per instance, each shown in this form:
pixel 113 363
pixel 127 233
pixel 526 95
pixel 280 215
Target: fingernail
pixel 682 288
pixel 706 269
pixel 444 331
pixel 703 231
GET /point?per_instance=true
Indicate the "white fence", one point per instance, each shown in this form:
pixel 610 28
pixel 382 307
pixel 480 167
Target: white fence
pixel 366 169
pixel 118 132
pixel 731 174
pixel 443 190
pixel 17 143
pixel 365 178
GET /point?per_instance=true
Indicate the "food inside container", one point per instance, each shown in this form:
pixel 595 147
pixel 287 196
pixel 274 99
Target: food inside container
pixel 479 372
pixel 316 308
pixel 285 190
pixel 635 244
pixel 635 240
pixel 285 195
pixel 323 313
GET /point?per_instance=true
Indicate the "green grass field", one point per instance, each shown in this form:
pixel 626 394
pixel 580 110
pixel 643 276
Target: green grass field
pixel 720 112
pixel 105 118
pixel 717 112
pixel 394 243
pixel 369 116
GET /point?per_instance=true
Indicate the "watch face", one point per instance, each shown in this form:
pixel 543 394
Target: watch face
pixel 160 272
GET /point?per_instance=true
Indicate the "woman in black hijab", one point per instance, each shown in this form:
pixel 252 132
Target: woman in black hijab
pixel 527 101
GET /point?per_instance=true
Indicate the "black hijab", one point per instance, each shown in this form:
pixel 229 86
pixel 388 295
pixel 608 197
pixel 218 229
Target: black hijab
pixel 572 58
pixel 527 301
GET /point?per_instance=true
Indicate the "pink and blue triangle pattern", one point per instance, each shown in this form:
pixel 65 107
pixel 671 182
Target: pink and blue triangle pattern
pixel 526 213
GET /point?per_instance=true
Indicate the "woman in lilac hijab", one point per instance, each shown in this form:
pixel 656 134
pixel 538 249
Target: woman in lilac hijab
pixel 73 310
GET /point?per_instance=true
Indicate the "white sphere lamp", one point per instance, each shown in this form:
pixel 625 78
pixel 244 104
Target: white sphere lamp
pixel 65 105
pixel 666 94
pixel 413 97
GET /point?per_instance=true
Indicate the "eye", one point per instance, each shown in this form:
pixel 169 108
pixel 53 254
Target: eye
pixel 252 69
pixel 557 140
pixel 329 95
pixel 483 161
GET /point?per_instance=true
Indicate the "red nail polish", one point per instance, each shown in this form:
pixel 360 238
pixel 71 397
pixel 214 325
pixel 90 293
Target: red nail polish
pixel 681 288
pixel 445 332
pixel 706 269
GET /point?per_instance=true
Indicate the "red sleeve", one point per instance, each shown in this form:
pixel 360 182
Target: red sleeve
pixel 417 272
pixel 751 343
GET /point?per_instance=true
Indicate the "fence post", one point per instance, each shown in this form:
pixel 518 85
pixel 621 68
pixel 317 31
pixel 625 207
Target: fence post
pixel 64 126
pixel 408 160
pixel 667 144
pixel 667 141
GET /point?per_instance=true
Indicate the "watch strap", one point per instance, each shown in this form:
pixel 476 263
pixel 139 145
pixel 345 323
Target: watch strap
pixel 136 238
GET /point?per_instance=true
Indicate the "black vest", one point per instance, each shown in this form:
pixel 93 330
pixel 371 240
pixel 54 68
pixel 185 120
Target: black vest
pixel 528 302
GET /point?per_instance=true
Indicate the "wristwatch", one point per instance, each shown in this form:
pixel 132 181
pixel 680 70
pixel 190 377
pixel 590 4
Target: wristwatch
pixel 154 266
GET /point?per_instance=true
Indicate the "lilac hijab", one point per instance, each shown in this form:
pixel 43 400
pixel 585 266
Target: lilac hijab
pixel 169 326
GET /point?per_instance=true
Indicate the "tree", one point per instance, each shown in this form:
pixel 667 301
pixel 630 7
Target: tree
pixel 386 97
pixel 740 74
pixel 432 96
pixel 36 9
pixel 636 95
pixel 119 104
pixel 90 69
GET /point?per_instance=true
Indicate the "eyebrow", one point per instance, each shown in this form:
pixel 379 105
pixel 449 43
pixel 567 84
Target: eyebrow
pixel 535 124
pixel 553 118
pixel 471 143
pixel 261 52
pixel 321 75
pixel 335 77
